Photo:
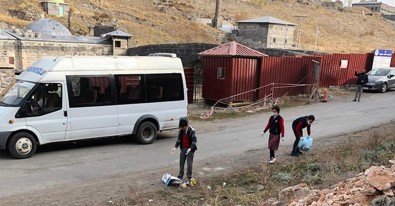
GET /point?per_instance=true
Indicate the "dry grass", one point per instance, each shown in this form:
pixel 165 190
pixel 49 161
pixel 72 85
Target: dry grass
pixel 155 22
pixel 351 155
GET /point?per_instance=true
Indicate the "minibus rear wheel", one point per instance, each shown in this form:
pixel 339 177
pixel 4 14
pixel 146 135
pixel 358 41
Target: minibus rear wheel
pixel 146 134
pixel 22 145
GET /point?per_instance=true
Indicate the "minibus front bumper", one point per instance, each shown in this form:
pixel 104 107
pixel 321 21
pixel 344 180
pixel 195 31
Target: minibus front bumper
pixel 3 139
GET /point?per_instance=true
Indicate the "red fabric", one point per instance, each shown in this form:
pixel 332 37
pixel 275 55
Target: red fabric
pixel 267 126
pixel 282 127
pixel 273 142
pixel 185 141
pixel 299 128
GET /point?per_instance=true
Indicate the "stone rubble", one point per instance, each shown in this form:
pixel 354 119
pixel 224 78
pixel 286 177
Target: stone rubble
pixel 376 186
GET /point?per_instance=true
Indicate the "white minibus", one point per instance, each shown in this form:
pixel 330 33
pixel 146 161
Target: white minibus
pixel 72 98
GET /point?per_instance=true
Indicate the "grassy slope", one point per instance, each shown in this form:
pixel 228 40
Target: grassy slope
pixel 340 31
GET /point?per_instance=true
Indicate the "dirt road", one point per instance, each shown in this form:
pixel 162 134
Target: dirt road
pixel 95 172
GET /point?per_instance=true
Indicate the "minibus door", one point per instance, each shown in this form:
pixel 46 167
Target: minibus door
pixel 45 112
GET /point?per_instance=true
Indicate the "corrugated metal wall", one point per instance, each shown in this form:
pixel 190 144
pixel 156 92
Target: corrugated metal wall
pixel 333 75
pixel 214 88
pixel 189 73
pixel 244 75
pixel 286 70
pixel 240 76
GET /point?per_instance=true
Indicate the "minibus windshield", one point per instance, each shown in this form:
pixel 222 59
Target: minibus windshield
pixel 17 93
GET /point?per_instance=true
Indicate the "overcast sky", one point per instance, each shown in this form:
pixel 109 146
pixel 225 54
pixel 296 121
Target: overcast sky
pixel 389 2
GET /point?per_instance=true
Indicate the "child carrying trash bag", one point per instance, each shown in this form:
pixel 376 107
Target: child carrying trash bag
pixel 187 142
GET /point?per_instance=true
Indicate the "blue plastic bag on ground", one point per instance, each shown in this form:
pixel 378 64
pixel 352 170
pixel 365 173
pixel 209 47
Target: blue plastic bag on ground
pixel 305 144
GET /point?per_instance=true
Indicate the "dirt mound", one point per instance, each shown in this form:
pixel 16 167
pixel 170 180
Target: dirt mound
pixel 376 186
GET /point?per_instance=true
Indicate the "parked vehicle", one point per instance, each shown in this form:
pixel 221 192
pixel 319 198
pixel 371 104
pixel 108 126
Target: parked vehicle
pixel 381 79
pixel 71 98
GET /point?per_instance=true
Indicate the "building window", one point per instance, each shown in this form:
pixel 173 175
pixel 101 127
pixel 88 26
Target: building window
pixel 221 73
pixel 285 41
pixel 274 40
pixel 118 44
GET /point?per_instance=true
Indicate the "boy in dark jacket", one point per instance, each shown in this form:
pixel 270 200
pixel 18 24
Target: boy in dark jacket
pixel 297 127
pixel 187 142
pixel 275 126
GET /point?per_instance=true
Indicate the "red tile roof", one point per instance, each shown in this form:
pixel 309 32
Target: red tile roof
pixel 232 49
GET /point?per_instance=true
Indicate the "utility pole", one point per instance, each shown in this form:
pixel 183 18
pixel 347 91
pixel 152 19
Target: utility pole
pixel 299 30
pixel 316 38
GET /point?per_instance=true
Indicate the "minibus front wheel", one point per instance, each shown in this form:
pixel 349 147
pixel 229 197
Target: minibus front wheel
pixel 22 145
pixel 146 133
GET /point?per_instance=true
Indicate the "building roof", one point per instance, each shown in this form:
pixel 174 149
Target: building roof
pixel 5 35
pixel 266 20
pixel 34 36
pixel 232 49
pixel 49 27
pixel 55 1
pixel 367 3
pixel 118 33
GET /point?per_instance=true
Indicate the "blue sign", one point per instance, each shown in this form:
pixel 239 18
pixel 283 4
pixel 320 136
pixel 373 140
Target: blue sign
pixel 36 70
pixel 383 53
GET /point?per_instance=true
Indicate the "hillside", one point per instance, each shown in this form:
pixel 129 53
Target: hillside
pixel 173 21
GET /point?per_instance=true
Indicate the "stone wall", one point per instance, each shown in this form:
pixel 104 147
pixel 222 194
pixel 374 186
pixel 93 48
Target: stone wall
pixel 188 53
pixel 280 36
pixel 265 35
pixel 387 9
pixel 31 51
pixel 253 35
pixel 7 54
pixel 16 55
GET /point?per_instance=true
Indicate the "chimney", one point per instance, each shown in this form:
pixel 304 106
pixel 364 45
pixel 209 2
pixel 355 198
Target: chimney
pixel 216 22
pixel 69 19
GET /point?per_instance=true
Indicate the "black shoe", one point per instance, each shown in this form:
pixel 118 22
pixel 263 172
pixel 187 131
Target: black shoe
pixel 358 100
pixel 299 152
pixel 354 100
pixel 294 154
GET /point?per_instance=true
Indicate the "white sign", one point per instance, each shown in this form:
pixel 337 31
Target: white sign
pixel 382 58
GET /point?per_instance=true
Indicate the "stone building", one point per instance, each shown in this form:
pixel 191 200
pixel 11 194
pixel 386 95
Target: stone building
pixel 56 7
pixel 376 7
pixel 265 32
pixel 21 47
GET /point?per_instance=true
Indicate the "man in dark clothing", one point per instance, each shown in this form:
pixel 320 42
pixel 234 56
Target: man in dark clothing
pixel 362 79
pixel 297 127
pixel 187 142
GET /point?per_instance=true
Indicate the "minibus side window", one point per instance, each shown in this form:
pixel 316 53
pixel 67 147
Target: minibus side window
pixel 46 98
pixel 130 89
pixel 85 91
pixel 164 87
